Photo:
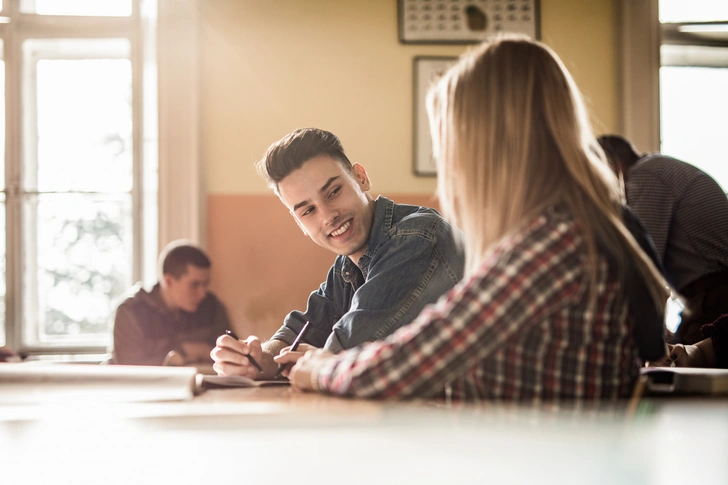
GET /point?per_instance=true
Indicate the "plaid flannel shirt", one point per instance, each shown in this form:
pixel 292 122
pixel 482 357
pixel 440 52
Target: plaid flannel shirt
pixel 523 328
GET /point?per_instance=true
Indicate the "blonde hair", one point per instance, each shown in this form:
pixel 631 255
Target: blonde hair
pixel 512 137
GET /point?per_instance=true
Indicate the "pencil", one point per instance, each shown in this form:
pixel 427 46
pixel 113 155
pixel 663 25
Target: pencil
pixel 634 401
pixel 250 357
pixel 294 346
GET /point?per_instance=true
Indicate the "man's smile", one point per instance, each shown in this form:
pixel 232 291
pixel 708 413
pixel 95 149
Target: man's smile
pixel 342 229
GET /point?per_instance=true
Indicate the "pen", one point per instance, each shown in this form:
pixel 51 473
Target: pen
pixel 250 357
pixel 294 346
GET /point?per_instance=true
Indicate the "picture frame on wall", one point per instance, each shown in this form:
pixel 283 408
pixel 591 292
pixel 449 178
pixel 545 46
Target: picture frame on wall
pixel 426 70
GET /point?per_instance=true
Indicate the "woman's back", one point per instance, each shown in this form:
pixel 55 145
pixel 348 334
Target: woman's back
pixel 530 304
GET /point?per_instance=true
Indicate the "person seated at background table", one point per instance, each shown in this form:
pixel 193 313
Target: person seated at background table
pixel 685 212
pixel 393 259
pixel 179 316
pixel 543 313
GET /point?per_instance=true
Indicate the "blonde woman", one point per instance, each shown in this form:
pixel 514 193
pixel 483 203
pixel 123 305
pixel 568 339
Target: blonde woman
pixel 542 313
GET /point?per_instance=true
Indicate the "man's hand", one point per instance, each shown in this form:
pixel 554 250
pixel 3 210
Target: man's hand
pixel 230 357
pixel 679 355
pixel 304 374
pixel 302 349
pixel 195 352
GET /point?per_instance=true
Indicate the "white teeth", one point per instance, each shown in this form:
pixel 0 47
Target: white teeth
pixel 342 229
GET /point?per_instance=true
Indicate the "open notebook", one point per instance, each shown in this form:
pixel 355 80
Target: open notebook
pixel 25 383
pixel 208 382
pixel 686 380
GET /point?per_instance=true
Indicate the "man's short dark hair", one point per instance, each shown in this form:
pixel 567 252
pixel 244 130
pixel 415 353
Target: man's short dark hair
pixel 176 257
pixel 620 152
pixel 293 150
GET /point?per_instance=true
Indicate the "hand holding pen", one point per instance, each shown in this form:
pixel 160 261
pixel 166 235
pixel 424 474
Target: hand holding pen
pixel 250 357
pixel 235 357
pixel 293 348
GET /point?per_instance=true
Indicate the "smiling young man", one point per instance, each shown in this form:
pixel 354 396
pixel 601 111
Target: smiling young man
pixel 393 259
pixel 179 315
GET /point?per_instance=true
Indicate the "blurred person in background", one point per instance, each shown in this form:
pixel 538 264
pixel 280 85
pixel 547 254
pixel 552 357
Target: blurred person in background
pixel 178 321
pixel 685 212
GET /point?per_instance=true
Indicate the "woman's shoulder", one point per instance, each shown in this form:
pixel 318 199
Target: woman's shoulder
pixel 553 228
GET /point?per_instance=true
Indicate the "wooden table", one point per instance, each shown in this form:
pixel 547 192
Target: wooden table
pixel 275 435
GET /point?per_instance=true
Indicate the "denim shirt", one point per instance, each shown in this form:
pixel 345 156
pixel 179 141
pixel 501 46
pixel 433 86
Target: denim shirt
pixel 411 259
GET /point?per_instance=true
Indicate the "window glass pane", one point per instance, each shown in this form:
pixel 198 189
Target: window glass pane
pixel 693 10
pixel 693 108
pixel 77 267
pixel 84 123
pixel 93 8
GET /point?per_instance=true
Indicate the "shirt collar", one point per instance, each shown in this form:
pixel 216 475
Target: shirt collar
pixel 382 223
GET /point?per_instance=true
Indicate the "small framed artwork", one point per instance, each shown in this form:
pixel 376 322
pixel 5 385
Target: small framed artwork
pixel 426 71
pixel 465 21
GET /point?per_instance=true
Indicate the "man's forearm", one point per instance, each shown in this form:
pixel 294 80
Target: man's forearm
pixel 271 348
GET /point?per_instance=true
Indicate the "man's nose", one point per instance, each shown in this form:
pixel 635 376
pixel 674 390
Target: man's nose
pixel 330 215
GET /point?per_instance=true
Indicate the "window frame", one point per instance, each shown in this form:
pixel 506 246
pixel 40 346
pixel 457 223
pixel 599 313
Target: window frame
pixel 641 36
pixel 170 67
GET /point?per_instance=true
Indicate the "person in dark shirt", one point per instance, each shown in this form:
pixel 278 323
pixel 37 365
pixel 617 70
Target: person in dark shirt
pixel 392 259
pixel 178 321
pixel 685 212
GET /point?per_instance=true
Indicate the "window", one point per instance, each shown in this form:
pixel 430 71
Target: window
pixel 694 83
pixel 79 189
pixel 674 79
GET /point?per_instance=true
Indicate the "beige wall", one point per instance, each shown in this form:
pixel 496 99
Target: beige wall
pixel 583 34
pixel 270 66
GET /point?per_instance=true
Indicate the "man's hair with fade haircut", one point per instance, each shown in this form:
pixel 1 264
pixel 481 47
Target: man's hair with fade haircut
pixel 293 150
pixel 178 255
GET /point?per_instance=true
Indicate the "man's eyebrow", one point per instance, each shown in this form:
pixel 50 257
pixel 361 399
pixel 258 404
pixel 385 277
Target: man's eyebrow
pixel 322 189
pixel 328 182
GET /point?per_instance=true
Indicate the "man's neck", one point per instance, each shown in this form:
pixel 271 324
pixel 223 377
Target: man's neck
pixel 167 300
pixel 357 256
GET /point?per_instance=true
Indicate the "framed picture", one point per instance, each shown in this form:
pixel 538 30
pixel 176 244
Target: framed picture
pixel 465 21
pixel 426 70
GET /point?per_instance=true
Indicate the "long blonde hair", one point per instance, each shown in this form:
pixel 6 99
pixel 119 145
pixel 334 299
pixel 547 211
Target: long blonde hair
pixel 512 137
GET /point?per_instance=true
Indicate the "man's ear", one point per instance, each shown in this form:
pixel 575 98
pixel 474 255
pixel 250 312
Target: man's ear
pixel 361 177
pixel 167 279
pixel 299 223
